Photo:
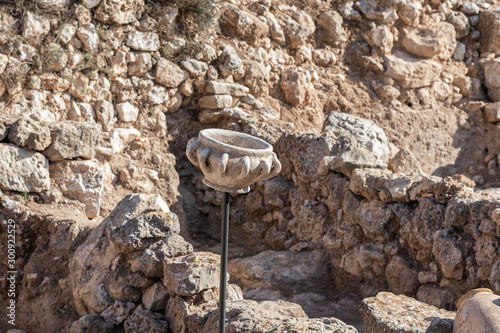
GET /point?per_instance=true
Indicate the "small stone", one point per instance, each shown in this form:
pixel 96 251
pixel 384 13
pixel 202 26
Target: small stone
pixel 118 312
pixel 155 297
pixel 91 324
pixel 29 133
pixel 105 113
pixel 222 88
pixel 460 22
pixel 119 12
pixel 142 64
pixel 295 87
pixel 470 8
pixel 158 95
pixel 127 112
pixel 230 62
pixel 56 57
pixel 169 74
pixel 144 41
pixel 215 101
pixel 35 26
pixel 195 67
pixel 191 274
pixel 145 321
pixel 89 37
pixel 82 181
pixel 67 33
pixel 83 15
pixel 72 139
pixel 492 112
pixel 23 170
pixel 332 24
pixel 242 24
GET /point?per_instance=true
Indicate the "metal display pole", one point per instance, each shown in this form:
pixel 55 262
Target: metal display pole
pixel 223 263
pixel 231 162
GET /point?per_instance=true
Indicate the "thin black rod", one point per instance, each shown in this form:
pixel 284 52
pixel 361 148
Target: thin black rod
pixel 223 263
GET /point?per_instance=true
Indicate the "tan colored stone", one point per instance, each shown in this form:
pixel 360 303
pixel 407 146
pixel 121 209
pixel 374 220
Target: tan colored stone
pixel 169 74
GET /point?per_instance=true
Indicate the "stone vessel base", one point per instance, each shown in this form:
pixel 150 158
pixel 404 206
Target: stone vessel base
pixel 226 188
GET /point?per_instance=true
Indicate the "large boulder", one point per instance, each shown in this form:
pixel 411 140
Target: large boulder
pixel 387 312
pixel 97 277
pixel 434 40
pixel 412 72
pixel 23 170
pixel 72 139
pixel 81 180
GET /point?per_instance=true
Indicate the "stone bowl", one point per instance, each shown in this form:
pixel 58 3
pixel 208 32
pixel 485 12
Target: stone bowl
pixel 232 161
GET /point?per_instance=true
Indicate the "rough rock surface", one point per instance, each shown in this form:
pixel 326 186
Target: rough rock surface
pixel 92 265
pixel 387 312
pixel 23 170
pixel 72 139
pixel 81 180
pixel 30 133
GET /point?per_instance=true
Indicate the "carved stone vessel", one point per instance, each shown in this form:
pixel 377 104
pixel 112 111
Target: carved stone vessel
pixel 478 311
pixel 232 161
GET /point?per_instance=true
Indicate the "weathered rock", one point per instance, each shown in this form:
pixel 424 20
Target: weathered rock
pixel 142 64
pixel 402 278
pixel 127 112
pixel 73 139
pixel 27 132
pixel 492 79
pixel 191 274
pixel 145 321
pixel 4 131
pixel 89 37
pixel 489 26
pixel 54 4
pixel 143 41
pixel 242 24
pixel 230 62
pixel 81 180
pixel 189 314
pixel 119 12
pixel 158 95
pixel 56 57
pixel 297 33
pixel 427 42
pixel 35 26
pixel 295 87
pixel 222 88
pixel 448 254
pixel 412 72
pixel 118 312
pixel 331 23
pixel 409 14
pixel 382 38
pixel 213 116
pixel 91 324
pixel 169 74
pixel 405 162
pixel 460 22
pixel 105 113
pixel 257 78
pixel 146 229
pixel 387 312
pixel 80 87
pixel 195 67
pixel 363 133
pixel 252 317
pixel 92 264
pixel 275 29
pixel 215 101
pixel 151 261
pixel 23 170
pixel 381 10
pixel 271 269
pixel 492 112
pixel 155 297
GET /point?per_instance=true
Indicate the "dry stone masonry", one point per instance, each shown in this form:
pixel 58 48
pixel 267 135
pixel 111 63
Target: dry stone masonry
pixel 384 116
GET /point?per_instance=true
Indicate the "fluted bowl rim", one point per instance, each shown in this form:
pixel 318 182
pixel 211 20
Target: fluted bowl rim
pixel 211 137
